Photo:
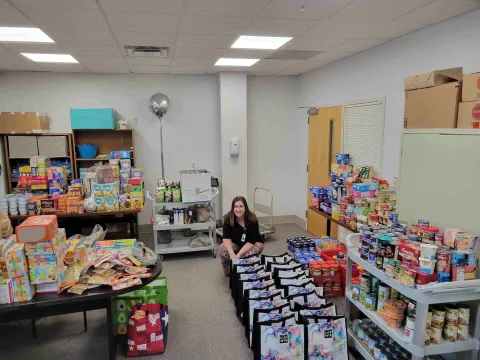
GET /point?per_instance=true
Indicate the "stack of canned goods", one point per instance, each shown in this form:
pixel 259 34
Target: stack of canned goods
pixel 303 250
pixel 378 244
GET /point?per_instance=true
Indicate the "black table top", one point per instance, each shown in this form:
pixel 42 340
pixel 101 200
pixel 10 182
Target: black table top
pixel 102 292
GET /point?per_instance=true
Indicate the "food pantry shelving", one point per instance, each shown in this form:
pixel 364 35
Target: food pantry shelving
pixel 442 293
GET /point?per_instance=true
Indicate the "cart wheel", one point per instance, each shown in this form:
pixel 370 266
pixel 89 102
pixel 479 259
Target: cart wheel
pixel 214 252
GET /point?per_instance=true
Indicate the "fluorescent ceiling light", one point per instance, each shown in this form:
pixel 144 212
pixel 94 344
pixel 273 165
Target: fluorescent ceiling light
pixel 51 58
pixel 260 42
pixel 20 34
pixel 235 62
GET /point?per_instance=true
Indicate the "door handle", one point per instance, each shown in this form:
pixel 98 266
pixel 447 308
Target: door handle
pixel 330 145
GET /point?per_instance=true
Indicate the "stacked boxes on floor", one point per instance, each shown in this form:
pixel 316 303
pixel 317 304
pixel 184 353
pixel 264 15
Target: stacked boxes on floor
pixel 45 248
pixel 469 111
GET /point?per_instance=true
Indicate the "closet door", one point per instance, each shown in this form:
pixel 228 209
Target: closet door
pixel 324 140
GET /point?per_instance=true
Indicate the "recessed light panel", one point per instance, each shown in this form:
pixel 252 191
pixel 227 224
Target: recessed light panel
pixel 260 42
pixel 235 62
pixel 51 58
pixel 20 34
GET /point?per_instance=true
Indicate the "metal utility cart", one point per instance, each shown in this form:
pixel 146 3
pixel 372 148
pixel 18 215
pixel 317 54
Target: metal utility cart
pixel 266 228
pixel 453 292
pixel 180 244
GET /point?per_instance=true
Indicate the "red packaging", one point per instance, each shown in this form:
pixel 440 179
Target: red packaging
pixel 424 279
pixel 409 251
pixel 461 273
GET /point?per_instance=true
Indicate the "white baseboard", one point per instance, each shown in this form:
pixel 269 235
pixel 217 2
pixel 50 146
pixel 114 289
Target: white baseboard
pixel 284 219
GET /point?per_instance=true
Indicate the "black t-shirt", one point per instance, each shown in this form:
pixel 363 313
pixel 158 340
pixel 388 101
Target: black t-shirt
pixel 236 232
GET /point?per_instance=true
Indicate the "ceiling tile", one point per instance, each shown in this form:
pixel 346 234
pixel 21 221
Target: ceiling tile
pixel 358 45
pixel 100 60
pixel 148 61
pixel 81 37
pixel 58 67
pixel 193 62
pixel 66 19
pixel 279 27
pixel 313 44
pixel 145 39
pixel 218 25
pixel 10 60
pixel 34 48
pixel 143 22
pixel 206 41
pixel 293 71
pixel 271 63
pixel 248 53
pixel 349 30
pixel 57 4
pixel 144 69
pixel 92 50
pixel 9 16
pixel 230 69
pixel 328 56
pixel 190 69
pixel 108 68
pixel 146 6
pixel 198 53
pixel 374 10
pixel 249 8
pixel 256 72
pixel 439 10
pixel 315 9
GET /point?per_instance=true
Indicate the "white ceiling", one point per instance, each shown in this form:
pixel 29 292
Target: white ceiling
pixel 198 32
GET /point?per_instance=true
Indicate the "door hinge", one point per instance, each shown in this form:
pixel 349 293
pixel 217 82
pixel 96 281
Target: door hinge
pixel 306 213
pixel 308 120
pixel 307 167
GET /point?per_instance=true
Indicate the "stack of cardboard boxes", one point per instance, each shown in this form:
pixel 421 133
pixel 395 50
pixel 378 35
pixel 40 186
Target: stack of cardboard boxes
pixel 24 122
pixel 19 285
pixel 469 113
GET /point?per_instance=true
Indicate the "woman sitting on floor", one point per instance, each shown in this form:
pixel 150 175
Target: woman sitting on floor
pixel 241 234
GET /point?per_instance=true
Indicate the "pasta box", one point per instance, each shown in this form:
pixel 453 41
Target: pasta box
pixel 37 229
pixel 91 118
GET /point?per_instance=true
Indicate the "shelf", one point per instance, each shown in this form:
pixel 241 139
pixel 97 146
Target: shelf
pixel 179 246
pixel 89 214
pixel 179 204
pixel 439 296
pixel 356 343
pixel 328 217
pixel 197 226
pixel 444 347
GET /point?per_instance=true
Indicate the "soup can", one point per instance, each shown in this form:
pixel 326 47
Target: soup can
pixel 451 314
pixel 435 336
pixel 463 314
pixel 450 332
pixel 423 223
pixel 383 291
pixel 462 333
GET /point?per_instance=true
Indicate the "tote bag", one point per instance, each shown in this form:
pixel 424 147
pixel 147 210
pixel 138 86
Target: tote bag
pixel 255 294
pixel 278 307
pixel 251 260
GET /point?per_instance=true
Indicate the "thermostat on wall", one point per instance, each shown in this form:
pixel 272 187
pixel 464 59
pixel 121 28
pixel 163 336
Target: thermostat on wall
pixel 233 147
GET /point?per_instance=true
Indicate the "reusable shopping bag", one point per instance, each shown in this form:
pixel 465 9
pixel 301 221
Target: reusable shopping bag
pixel 277 307
pixel 279 339
pixel 147 330
pixel 250 260
pixel 304 296
pixel 286 283
pixel 291 276
pixel 280 273
pixel 279 259
pixel 242 285
pixel 257 294
pixel 235 276
pixel 310 305
pixel 288 265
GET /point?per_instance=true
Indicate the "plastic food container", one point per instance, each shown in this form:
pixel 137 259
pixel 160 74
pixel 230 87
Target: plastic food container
pixel 427 266
pixel 428 251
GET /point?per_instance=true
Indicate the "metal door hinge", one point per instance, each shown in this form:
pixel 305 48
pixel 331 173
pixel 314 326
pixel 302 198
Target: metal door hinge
pixel 306 213
pixel 307 167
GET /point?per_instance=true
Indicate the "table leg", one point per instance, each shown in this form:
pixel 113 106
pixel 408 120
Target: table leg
pixel 329 225
pixel 34 330
pixel 132 226
pixel 85 320
pixel 112 343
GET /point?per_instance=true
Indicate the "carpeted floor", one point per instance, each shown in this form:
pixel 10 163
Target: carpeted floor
pixel 202 323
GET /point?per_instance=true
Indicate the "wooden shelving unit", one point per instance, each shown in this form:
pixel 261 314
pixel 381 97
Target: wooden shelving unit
pixel 11 162
pixel 106 141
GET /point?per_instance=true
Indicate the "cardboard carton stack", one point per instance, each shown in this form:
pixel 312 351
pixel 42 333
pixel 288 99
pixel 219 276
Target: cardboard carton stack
pixel 45 248
pixel 19 285
pixel 432 99
pixel 469 112
pixel 57 180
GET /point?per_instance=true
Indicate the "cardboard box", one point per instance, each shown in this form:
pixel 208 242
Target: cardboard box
pixel 37 229
pixel 16 261
pixel 47 247
pixel 196 185
pixel 6 291
pixel 468 115
pixel 435 107
pixel 471 87
pixel 22 146
pixel 433 78
pixel 24 122
pixel 53 146
pixel 23 290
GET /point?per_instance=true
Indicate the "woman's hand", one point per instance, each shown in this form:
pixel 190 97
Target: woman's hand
pixel 233 255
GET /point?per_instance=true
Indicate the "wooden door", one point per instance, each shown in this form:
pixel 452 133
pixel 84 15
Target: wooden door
pixel 324 140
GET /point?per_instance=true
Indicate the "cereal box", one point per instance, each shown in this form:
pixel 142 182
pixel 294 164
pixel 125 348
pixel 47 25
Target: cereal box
pixel 16 261
pixel 125 164
pixel 6 291
pixel 47 247
pixel 137 172
pixel 124 175
pixel 106 204
pixel 124 202
pixel 37 229
pixel 22 289
pixel 120 154
pixel 75 205
pixel 105 190
pixel 136 201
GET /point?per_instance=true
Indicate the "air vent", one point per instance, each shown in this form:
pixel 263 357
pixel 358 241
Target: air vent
pixel 147 51
pixel 293 55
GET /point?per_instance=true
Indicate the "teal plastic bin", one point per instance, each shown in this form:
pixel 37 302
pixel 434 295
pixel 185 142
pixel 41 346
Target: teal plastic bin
pixel 92 119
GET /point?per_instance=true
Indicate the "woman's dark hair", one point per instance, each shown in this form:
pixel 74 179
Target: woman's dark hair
pixel 230 217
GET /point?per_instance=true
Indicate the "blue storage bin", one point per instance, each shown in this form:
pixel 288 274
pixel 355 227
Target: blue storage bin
pixel 87 151
pixel 92 119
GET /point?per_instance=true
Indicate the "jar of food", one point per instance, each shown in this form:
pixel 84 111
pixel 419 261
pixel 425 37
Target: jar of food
pixel 315 268
pixel 335 269
pixel 326 270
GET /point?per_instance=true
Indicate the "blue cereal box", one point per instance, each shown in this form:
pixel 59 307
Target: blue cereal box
pixel 92 118
pixel 120 154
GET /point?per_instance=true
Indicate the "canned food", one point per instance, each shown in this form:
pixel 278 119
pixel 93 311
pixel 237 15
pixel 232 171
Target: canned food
pixel 451 314
pixel 365 236
pixel 361 331
pixel 375 284
pixel 463 314
pixel 450 332
pixel 471 259
pixel 462 333
pixel 408 335
pixel 438 317
pixel 364 252
pixel 435 336
pixel 439 239
pixel 372 256
pixel 414 229
pixel 380 307
pixel 383 291
pixel 429 319
pixel 376 351
pixel 423 223
pixel 365 282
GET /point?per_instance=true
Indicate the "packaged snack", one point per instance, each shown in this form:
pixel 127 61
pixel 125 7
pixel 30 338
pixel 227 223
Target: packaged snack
pixel 48 206
pixel 112 204
pixel 75 205
pixel 137 172
pixel 124 202
pixel 23 290
pixel 114 162
pixel 42 273
pixel 449 236
pixel 464 241
pixel 160 195
pixel 176 195
pixel 16 261
pixel 100 203
pixel 136 201
pixel 409 251
pixel 105 190
pixel 37 229
pixel 125 164
pixel 47 247
pixel 438 317
pixel 120 154
pixel 6 291
pixel 124 176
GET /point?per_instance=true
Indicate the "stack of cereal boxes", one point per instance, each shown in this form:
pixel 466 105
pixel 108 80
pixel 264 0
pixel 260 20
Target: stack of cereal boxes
pixel 137 193
pixel 45 248
pixel 106 196
pixel 57 180
pixel 39 165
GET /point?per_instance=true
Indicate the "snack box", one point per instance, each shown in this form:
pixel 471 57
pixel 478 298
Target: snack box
pixel 47 247
pixel 39 187
pixel 75 205
pixel 137 189
pixel 136 201
pixel 56 258
pixel 115 244
pixel 16 261
pixel 106 204
pixel 37 229
pixel 43 273
pixel 105 190
pixel 409 251
pixel 125 173
pixel 56 184
pixel 137 173
pixel 124 202
pixel 6 291
pixel 120 154
pixel 341 170
pixel 22 289
pixel 125 164
pixel 136 181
